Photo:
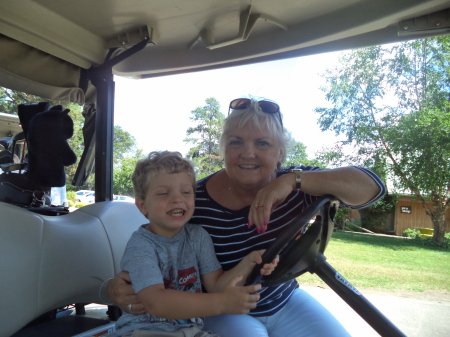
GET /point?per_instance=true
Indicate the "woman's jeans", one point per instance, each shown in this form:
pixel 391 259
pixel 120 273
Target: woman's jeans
pixel 303 315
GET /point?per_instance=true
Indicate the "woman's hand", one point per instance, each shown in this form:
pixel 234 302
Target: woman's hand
pixel 267 199
pixel 121 292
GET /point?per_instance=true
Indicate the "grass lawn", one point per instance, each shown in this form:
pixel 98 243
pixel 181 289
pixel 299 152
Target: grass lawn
pixel 384 262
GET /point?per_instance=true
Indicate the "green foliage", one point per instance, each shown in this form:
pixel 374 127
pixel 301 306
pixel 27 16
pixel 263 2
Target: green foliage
pixel 411 232
pixel 429 242
pixel 342 217
pixel 124 146
pixel 125 152
pixel 80 204
pixel 205 137
pixel 391 104
pixel 71 196
pixel 10 99
pixel 122 177
pixel 297 155
pixel 374 217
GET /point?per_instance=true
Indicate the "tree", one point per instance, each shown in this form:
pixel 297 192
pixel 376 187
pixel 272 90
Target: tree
pixel 124 143
pixel 10 99
pixel 124 146
pixel 297 155
pixel 122 176
pixel 392 104
pixel 205 137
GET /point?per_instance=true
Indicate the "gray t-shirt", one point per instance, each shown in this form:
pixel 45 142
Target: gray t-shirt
pixel 176 262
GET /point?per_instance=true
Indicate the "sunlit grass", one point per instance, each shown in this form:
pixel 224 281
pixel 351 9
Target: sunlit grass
pixel 384 262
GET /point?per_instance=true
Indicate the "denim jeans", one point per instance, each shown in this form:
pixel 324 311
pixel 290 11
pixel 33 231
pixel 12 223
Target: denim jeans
pixel 303 315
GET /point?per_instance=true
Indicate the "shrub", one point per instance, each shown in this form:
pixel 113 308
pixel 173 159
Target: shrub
pixel 81 204
pixel 374 217
pixel 342 217
pixel 71 196
pixel 431 243
pixel 411 232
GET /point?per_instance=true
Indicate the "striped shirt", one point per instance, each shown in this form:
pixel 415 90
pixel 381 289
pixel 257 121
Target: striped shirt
pixel 233 240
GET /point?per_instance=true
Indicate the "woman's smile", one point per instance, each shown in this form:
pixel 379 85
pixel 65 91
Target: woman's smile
pixel 251 156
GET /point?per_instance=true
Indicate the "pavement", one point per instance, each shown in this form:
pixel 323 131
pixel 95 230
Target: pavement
pixel 415 314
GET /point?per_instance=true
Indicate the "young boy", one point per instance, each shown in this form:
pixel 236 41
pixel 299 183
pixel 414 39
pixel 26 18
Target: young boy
pixel 169 260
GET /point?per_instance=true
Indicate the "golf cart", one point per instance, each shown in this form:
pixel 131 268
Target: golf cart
pixel 70 50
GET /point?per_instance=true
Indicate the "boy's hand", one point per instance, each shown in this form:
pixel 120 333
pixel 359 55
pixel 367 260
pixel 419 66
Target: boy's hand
pixel 255 258
pixel 238 300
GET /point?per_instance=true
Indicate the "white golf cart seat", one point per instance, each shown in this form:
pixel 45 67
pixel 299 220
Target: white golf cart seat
pixel 51 261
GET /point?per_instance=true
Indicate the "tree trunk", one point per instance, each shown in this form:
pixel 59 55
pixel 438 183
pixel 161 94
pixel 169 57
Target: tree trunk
pixel 438 218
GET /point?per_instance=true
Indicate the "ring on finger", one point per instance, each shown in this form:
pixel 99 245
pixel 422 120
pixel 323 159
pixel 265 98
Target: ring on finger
pixel 130 308
pixel 258 205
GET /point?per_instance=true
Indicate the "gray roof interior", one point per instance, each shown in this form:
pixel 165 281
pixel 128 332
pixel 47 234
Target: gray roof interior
pixel 45 43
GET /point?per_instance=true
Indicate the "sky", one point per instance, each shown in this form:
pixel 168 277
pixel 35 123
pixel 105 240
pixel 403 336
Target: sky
pixel 156 111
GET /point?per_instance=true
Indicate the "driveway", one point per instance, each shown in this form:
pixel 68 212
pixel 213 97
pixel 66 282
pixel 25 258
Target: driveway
pixel 416 314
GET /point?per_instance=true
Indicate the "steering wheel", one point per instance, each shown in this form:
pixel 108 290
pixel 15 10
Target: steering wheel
pixel 301 249
pixel 299 244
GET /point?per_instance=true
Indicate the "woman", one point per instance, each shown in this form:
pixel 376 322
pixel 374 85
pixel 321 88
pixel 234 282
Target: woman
pixel 245 206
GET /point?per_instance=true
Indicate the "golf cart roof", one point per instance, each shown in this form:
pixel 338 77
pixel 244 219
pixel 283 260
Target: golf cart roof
pixel 46 44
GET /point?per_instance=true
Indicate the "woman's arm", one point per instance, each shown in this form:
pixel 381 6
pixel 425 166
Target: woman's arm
pixel 353 186
pixel 121 293
pixel 349 184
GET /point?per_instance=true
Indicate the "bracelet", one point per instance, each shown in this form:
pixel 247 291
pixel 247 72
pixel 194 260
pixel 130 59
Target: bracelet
pixel 102 293
pixel 298 178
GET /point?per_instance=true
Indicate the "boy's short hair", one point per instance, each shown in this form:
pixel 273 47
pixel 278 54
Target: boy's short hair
pixel 164 162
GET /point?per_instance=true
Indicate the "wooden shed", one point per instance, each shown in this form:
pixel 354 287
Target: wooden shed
pixel 408 214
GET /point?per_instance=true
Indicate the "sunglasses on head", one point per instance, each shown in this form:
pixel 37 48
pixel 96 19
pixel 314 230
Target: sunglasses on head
pixel 268 107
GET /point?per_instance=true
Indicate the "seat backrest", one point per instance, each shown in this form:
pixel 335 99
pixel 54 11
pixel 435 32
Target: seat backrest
pixel 52 261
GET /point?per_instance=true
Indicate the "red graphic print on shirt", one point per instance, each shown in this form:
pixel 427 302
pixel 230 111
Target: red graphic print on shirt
pixel 187 279
pixel 170 283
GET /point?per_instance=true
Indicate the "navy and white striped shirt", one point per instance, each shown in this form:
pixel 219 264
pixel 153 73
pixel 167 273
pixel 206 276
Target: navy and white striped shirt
pixel 233 240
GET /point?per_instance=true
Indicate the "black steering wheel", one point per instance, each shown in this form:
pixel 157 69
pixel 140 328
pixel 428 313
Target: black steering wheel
pixel 301 248
pixel 299 244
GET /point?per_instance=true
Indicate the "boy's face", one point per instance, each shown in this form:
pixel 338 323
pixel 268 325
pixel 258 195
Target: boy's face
pixel 169 203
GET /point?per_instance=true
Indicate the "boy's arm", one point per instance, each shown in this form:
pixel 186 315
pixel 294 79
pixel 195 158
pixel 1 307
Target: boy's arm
pixel 177 304
pixel 216 281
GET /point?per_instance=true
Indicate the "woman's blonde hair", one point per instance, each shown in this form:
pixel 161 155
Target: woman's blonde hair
pixel 254 116
pixel 165 162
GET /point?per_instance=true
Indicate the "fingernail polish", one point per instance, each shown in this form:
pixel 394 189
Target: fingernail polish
pixel 258 230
